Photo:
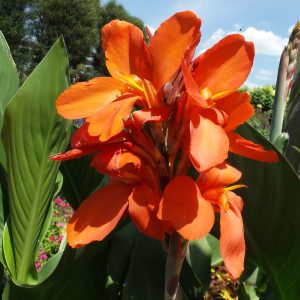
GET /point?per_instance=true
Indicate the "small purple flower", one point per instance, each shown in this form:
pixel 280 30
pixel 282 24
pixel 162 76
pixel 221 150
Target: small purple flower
pixel 52 238
pixel 43 256
pixel 37 265
pixel 60 238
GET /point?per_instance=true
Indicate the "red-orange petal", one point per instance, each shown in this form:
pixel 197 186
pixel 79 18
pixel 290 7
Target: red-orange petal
pixel 246 148
pixel 108 121
pixel 85 98
pixel 74 153
pixel 143 205
pixel 220 176
pixel 226 65
pixel 238 108
pixel 209 144
pixel 98 215
pixel 184 207
pixel 125 50
pixel 82 139
pixel 155 114
pixel 169 43
pixel 232 243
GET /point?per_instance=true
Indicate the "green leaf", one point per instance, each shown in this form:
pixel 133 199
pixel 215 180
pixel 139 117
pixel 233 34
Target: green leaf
pixel 80 180
pixel 119 251
pixel 9 80
pixel 271 217
pixel 145 275
pixel 32 131
pixel 80 275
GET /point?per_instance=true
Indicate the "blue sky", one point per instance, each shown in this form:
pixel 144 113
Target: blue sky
pixel 264 22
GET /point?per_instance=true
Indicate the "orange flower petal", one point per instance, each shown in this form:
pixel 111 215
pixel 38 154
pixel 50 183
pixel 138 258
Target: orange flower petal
pixel 82 139
pixel 209 144
pixel 125 50
pixel 190 83
pixel 220 176
pixel 108 121
pixel 169 43
pixel 232 243
pixel 246 148
pixel 226 65
pixel 183 206
pixel 238 107
pixel 117 161
pixel 85 98
pixel 143 205
pixel 98 215
pixel 155 114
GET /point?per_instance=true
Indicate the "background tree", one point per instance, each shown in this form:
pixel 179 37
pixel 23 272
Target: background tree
pixel 12 24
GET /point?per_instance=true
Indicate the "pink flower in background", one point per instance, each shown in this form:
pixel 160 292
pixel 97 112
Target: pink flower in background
pixel 58 201
pixel 60 224
pixel 52 238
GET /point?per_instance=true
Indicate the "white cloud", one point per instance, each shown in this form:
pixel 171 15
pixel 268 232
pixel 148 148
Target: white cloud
pixel 266 75
pixel 290 29
pixel 265 42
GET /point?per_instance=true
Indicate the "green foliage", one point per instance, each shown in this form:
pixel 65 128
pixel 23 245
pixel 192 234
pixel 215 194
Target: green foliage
pixel 271 217
pixel 31 175
pixel 13 25
pixel 76 20
pixel 263 97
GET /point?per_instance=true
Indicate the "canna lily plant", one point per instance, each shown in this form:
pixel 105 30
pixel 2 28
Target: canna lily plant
pixel 161 128
pixel 170 180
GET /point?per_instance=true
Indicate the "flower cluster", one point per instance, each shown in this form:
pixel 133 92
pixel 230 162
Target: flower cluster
pixel 159 115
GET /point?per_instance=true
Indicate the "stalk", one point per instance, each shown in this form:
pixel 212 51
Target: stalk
pixel 285 76
pixel 176 254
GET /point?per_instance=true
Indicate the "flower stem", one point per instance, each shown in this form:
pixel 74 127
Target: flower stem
pixel 176 254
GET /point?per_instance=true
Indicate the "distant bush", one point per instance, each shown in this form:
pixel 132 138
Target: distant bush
pixel 263 97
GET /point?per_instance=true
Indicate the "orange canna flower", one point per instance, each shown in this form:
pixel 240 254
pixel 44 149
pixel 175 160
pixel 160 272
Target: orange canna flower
pixel 213 187
pixel 139 73
pixel 186 113
pixel 214 104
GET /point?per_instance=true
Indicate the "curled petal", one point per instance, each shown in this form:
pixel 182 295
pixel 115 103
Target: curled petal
pixel 98 215
pixel 226 65
pixel 155 114
pixel 184 207
pixel 246 148
pixel 169 43
pixel 209 144
pixel 220 176
pixel 232 241
pixel 125 50
pixel 85 98
pixel 143 206
pixel 118 162
pixel 238 107
pixel 108 121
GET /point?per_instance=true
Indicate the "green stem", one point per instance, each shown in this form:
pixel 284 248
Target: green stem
pixel 176 255
pixel 280 98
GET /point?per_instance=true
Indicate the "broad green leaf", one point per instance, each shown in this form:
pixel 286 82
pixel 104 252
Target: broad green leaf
pixel 32 131
pixel 119 251
pixel 271 217
pixel 80 275
pixel 145 275
pixel 80 180
pixel 9 80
